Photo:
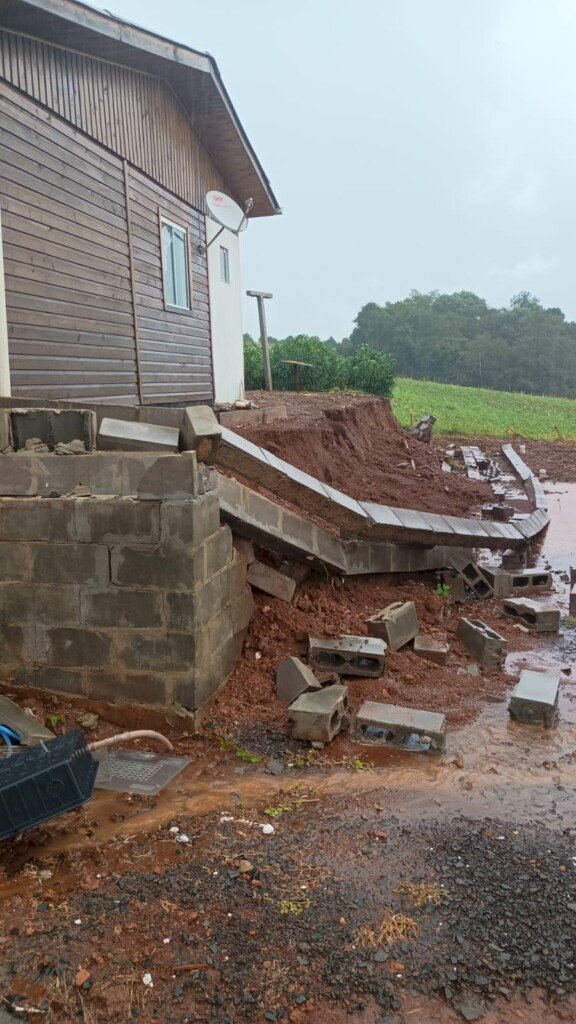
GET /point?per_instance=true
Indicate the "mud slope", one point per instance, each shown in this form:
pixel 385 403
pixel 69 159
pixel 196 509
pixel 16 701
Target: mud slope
pixel 356 445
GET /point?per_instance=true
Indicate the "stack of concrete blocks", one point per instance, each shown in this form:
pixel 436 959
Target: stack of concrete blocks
pixel 349 655
pixel 132 592
pixel 407 728
pixel 533 614
pixel 397 624
pixel 317 716
pixel 485 645
pixel 535 698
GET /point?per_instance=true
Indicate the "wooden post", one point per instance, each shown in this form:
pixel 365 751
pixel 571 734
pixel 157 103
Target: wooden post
pixel 260 296
pixel 5 386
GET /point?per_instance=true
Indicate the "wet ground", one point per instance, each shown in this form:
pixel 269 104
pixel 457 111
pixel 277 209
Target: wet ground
pixel 394 887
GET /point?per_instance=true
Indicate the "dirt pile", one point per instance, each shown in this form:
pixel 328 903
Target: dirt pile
pixel 279 630
pixel 356 445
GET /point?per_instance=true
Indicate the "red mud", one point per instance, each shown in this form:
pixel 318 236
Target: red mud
pixel 279 630
pixel 356 445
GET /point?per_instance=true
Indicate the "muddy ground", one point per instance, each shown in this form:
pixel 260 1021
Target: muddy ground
pixel 269 882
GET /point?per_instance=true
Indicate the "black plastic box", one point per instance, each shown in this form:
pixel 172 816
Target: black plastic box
pixel 40 782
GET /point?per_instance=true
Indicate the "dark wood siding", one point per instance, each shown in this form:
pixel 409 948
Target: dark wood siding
pixel 135 115
pixel 175 354
pixel 69 302
pixel 81 261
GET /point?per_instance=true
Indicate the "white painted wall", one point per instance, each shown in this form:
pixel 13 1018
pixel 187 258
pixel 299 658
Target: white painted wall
pixel 225 316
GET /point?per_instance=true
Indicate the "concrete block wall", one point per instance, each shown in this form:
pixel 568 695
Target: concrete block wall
pixel 135 595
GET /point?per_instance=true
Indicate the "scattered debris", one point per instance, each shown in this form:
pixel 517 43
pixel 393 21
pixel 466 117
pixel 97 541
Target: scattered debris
pixel 423 429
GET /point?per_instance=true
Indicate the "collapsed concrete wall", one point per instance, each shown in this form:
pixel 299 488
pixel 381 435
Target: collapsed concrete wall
pixel 117 580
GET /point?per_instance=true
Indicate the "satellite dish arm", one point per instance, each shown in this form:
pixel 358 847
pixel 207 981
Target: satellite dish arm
pixel 201 249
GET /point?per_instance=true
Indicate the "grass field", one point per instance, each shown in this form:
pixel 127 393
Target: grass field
pixel 474 411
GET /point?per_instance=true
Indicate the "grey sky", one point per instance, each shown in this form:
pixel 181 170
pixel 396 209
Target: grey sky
pixel 425 144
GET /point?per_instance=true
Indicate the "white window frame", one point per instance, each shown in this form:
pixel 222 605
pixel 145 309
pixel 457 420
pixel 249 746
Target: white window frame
pixel 183 228
pixel 224 264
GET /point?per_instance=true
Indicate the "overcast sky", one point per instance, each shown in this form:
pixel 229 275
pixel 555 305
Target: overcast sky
pixel 425 144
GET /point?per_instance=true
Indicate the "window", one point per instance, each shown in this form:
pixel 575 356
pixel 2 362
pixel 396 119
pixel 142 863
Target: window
pixel 175 265
pixel 224 265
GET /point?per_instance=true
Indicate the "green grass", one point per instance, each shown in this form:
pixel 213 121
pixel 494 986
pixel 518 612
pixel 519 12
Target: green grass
pixel 460 410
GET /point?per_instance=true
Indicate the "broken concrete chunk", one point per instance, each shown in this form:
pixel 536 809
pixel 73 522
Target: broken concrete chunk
pixel 407 728
pixel 293 678
pixel 543 618
pixel 535 697
pixel 265 578
pixel 28 728
pixel 201 432
pixel 127 436
pixel 572 600
pixel 349 655
pixel 431 649
pixel 485 645
pixel 423 429
pixel 457 587
pixel 397 624
pixel 317 717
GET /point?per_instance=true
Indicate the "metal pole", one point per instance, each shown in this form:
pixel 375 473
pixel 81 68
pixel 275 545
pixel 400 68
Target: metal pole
pixel 5 389
pixel 260 296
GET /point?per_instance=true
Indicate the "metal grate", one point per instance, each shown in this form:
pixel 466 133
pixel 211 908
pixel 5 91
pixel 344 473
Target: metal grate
pixel 135 771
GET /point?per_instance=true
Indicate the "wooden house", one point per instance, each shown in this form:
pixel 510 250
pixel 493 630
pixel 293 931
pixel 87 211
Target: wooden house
pixel 110 137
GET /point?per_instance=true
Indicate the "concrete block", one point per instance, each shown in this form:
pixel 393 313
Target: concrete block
pixel 505 582
pixel 218 548
pixel 431 649
pixel 397 624
pixel 36 603
pixel 500 513
pixel 201 432
pixel 165 567
pixel 458 593
pixel 29 729
pixel 263 577
pixel 158 651
pixel 133 687
pixel 293 678
pixel 5 432
pixel 233 418
pixel 244 547
pixel 122 608
pixel 53 427
pixel 535 697
pixel 16 476
pixel 107 520
pixel 71 563
pixel 471 574
pixel 60 680
pixel 349 655
pixel 543 618
pixel 122 436
pixel 15 561
pixel 48 519
pixel 189 523
pixel 572 576
pixel 485 645
pixel 76 648
pixel 512 559
pixel 317 717
pixel 170 477
pixel 572 600
pixel 407 728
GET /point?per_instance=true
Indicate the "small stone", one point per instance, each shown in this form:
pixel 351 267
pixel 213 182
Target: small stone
pixel 274 767
pixel 88 720
pixel 81 977
pixel 244 866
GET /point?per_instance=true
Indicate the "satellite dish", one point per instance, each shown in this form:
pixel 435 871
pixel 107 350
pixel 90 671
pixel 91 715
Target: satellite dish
pixel 226 212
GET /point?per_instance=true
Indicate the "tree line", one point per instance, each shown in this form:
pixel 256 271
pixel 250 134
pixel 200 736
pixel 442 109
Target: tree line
pixel 460 339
